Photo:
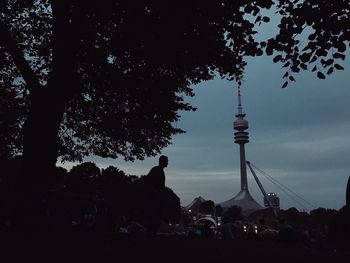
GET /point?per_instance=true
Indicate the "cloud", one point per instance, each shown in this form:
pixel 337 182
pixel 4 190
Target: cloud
pixel 299 135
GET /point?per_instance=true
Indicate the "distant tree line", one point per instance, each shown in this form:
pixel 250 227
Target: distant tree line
pixel 107 196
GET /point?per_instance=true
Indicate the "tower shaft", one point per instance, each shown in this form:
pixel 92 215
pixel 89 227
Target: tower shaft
pixel 241 138
pixel 244 180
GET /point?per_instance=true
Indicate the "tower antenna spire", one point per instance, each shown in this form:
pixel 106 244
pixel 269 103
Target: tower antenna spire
pixel 240 112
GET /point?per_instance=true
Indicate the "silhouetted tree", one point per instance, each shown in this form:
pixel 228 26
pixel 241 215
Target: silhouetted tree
pixel 114 190
pixel 113 184
pixel 96 39
pixel 12 113
pixel 322 216
pixel 9 170
pixel 86 170
pixel 324 23
pixel 293 217
pixel 82 178
pixel 59 179
pixel 339 230
pixel 94 86
pixel 207 207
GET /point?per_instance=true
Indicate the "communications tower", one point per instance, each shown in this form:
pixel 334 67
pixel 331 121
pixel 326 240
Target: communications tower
pixel 243 199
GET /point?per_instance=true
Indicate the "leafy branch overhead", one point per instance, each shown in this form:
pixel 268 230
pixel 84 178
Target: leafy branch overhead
pixel 110 78
pixel 115 74
pixel 313 35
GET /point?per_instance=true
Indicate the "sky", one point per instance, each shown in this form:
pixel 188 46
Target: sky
pixel 299 135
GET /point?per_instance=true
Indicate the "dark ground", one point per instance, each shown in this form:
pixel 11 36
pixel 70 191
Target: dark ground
pixel 80 248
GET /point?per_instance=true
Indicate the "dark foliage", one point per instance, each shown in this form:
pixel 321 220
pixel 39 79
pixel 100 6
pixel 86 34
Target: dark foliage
pixel 207 207
pixel 294 217
pixel 339 230
pixel 322 216
pixel 82 178
pixel 109 195
pixel 313 35
pixel 118 71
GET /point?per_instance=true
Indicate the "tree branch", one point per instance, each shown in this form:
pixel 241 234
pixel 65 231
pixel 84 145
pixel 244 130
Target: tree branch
pixel 29 76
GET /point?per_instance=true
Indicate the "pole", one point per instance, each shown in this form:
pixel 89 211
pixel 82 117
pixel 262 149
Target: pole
pixel 262 189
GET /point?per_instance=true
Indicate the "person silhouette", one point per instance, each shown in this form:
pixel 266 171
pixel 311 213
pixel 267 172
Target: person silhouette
pixel 156 184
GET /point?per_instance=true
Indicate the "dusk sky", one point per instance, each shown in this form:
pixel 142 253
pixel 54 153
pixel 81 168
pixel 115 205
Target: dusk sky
pixel 299 135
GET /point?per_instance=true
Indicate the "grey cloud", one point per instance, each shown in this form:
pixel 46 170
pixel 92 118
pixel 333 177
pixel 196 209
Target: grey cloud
pixel 300 135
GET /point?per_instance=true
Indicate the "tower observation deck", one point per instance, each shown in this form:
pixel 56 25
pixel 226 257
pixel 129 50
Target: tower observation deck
pixel 243 199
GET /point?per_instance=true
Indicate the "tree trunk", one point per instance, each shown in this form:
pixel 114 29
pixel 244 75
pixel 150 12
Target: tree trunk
pixel 40 146
pixel 47 104
pixel 40 150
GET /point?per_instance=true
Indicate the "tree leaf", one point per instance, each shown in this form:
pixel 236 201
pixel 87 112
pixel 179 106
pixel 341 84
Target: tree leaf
pixel 295 68
pixel 339 55
pixel 330 71
pixel 303 66
pixel 305 57
pixel 269 51
pixel 286 64
pixel 339 67
pixel 321 75
pixel 277 58
pixel 255 10
pixel 329 62
pixel 341 47
pixel 266 19
pixel 263 44
pixel 321 52
pixel 313 59
pixel 312 37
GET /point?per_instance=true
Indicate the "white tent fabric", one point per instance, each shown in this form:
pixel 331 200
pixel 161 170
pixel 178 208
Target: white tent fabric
pixel 245 201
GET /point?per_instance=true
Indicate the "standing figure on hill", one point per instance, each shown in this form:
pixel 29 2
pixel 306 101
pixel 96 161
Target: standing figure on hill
pixel 156 183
